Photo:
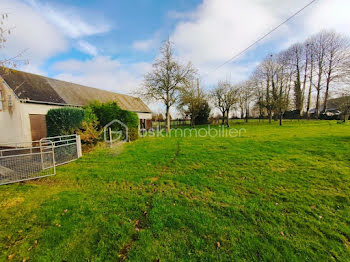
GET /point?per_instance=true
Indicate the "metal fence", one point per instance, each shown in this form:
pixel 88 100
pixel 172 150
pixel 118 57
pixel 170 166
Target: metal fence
pixel 28 162
pixel 25 161
pixel 66 148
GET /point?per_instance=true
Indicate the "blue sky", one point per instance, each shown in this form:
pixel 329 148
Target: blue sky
pixel 111 44
pixel 128 21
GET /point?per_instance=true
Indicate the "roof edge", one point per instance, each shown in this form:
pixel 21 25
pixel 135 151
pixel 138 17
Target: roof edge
pixel 68 105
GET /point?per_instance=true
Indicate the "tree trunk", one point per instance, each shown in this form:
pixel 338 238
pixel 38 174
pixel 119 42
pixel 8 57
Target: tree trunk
pixel 326 96
pixel 227 118
pixel 318 88
pixel 328 80
pixel 280 118
pixel 308 102
pixel 298 92
pixel 167 118
pixel 317 104
pixel 247 114
pixel 223 118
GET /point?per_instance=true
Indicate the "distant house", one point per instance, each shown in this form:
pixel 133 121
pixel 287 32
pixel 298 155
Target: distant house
pixel 26 98
pixel 334 106
pixel 330 111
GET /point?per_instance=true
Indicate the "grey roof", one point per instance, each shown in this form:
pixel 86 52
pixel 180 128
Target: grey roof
pixel 41 89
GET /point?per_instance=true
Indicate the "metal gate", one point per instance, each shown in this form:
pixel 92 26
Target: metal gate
pixel 26 161
pixel 66 148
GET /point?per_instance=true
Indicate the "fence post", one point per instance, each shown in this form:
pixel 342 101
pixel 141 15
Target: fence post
pixel 79 151
pixel 110 137
pixel 41 155
pixel 53 157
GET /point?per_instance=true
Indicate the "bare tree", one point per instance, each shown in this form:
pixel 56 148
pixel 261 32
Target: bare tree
pixel 245 96
pixel 309 72
pixel 168 76
pixel 336 57
pixel 218 98
pixel 258 93
pixel 311 66
pixel 5 32
pixel 267 72
pixel 191 100
pixel 225 97
pixel 284 82
pixel 295 56
pixel 319 52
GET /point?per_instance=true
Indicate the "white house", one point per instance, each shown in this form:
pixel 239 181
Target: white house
pixel 26 98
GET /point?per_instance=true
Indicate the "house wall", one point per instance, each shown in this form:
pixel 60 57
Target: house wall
pixel 14 117
pixel 11 129
pixel 32 109
pixel 144 115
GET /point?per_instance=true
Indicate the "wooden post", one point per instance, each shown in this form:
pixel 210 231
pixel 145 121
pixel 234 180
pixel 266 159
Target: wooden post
pixel 79 151
pixel 110 136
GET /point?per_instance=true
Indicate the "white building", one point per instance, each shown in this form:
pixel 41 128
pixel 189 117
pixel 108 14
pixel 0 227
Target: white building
pixel 26 98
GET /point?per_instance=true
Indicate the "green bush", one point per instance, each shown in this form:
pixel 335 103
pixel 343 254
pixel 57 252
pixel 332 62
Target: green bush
pixel 107 112
pixel 88 131
pixel 63 121
pixel 133 134
pixel 202 114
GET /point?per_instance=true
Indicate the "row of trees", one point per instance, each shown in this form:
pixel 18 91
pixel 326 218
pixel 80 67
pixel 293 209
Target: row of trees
pixel 297 79
pixel 289 80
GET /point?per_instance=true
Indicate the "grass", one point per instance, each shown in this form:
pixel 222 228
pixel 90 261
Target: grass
pixel 275 193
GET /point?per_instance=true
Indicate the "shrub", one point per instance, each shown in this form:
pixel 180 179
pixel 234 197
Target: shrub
pixel 105 113
pixel 63 121
pixel 202 114
pixel 110 111
pixel 88 131
pixel 133 134
pixel 130 119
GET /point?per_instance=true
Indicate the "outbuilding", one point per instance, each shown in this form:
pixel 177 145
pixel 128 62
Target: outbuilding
pixel 26 98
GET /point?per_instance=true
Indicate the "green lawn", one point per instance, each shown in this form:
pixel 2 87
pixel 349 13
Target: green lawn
pixel 275 193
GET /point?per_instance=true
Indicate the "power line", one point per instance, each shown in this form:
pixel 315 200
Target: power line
pixel 261 38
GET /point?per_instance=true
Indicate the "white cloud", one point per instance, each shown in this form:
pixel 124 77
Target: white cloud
pixel 69 21
pixel 218 29
pixel 326 14
pixel 144 45
pixel 330 14
pixel 87 48
pixel 45 30
pixel 32 33
pixel 148 44
pixel 104 73
pixel 32 68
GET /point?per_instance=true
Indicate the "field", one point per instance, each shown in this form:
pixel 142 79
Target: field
pixel 274 193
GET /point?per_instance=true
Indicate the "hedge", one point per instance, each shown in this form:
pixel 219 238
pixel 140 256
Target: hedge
pixel 63 121
pixel 110 111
